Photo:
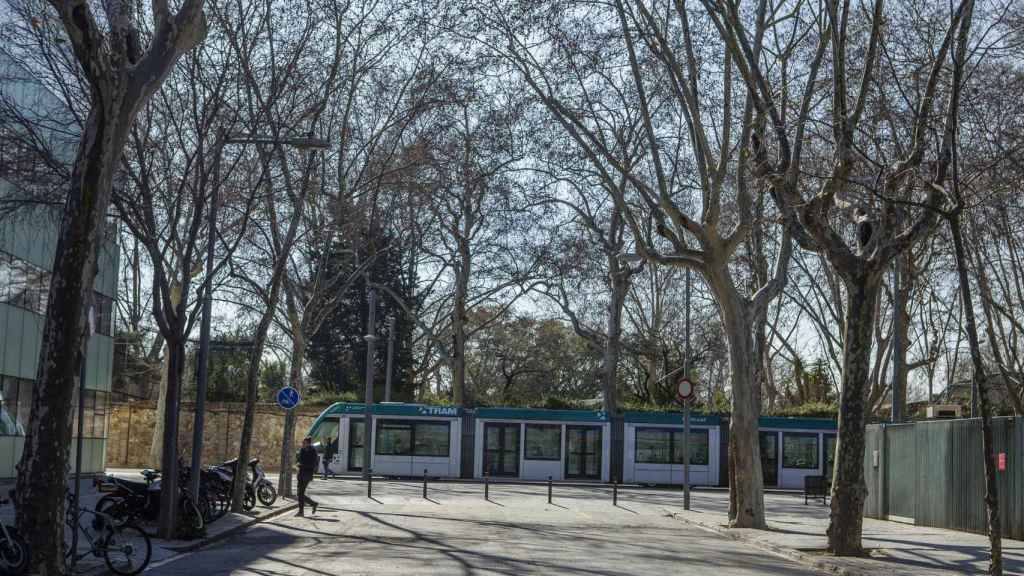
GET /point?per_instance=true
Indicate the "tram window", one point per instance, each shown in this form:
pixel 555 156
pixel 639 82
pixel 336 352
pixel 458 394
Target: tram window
pixel 698 447
pixel 430 439
pixel 543 442
pixel 653 445
pixel 665 446
pixel 800 450
pixel 830 453
pixel 394 438
pixel 412 438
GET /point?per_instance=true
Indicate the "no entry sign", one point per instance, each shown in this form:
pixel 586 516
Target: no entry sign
pixel 685 389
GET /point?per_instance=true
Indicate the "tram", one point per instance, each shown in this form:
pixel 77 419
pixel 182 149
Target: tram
pixel 409 440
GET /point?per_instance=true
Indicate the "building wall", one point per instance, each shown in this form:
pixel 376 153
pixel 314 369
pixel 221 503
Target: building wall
pixel 28 240
pixel 932 474
pixel 131 432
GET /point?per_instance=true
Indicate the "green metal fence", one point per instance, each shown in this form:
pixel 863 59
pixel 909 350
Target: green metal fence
pixel 931 474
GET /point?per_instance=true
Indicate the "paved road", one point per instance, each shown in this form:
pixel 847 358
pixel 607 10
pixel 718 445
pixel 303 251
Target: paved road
pixel 457 532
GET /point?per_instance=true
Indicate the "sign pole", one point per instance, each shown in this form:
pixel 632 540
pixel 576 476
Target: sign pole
pixel 685 391
pixel 686 454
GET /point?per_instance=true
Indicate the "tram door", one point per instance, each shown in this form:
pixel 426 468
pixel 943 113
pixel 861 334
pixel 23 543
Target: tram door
pixel 583 452
pixel 501 449
pixel 770 458
pixel 356 438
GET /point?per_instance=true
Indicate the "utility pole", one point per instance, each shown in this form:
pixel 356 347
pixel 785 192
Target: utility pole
pixel 371 340
pixel 686 403
pixel 391 356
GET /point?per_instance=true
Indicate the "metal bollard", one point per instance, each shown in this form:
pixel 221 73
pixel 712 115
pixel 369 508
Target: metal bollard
pixel 549 489
pixel 424 483
pixel 615 493
pixel 369 484
pixel 487 487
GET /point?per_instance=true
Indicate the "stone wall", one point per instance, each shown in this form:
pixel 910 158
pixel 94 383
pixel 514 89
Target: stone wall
pixel 130 432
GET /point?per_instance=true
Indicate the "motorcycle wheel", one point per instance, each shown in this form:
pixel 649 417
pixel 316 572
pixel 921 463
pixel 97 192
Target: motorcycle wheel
pixel 267 494
pixel 249 500
pixel 14 553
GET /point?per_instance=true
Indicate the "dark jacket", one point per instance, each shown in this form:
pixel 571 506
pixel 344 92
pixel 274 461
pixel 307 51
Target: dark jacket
pixel 308 461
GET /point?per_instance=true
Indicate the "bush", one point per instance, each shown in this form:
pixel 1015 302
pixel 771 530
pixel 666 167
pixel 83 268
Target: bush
pixel 809 410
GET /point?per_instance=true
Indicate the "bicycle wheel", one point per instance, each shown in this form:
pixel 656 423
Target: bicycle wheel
pixel 267 494
pixel 14 553
pixel 127 549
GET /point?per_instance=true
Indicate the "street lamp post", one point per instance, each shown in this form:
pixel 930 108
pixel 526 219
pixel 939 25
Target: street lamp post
pixel 391 355
pixel 203 356
pixel 371 340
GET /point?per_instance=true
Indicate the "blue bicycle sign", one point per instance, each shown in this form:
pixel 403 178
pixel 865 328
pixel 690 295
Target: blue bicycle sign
pixel 287 397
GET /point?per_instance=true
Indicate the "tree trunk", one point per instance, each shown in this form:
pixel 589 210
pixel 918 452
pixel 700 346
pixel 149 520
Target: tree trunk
pixel 251 396
pixel 44 460
pixel 169 457
pixel 613 343
pixel 848 486
pixel 746 484
pixel 459 330
pixel 991 495
pixel 157 442
pixel 284 482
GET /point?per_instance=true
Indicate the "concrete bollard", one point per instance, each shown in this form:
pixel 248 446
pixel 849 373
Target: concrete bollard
pixel 549 489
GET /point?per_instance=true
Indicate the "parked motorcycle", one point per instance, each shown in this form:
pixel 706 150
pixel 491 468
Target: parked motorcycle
pixel 129 501
pixel 226 473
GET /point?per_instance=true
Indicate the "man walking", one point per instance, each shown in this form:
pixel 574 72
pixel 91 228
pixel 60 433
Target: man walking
pixel 308 463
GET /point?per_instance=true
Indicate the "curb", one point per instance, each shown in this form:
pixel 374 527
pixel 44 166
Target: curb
pixel 204 542
pixel 809 560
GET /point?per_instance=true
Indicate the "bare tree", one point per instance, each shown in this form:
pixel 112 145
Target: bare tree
pixel 879 178
pixel 124 57
pixel 691 185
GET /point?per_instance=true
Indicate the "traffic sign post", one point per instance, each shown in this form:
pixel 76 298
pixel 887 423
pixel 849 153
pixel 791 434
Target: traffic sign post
pixel 685 391
pixel 287 397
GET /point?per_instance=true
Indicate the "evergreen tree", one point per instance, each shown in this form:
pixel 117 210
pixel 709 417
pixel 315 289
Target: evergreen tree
pixel 337 352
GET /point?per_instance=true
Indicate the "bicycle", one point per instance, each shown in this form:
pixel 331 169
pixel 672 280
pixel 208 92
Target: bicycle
pixel 124 547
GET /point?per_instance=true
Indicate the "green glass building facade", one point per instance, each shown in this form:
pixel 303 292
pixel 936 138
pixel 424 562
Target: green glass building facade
pixel 28 241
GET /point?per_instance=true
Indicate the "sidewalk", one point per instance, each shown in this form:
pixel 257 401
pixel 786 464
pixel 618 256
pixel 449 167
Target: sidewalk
pixel 230 524
pixel 896 549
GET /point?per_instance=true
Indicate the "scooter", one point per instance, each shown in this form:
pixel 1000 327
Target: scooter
pixel 265 490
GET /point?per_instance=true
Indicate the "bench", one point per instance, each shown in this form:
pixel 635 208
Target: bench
pixel 816 487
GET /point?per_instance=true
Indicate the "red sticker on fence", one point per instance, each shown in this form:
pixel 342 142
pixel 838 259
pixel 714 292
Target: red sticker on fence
pixel 1002 462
